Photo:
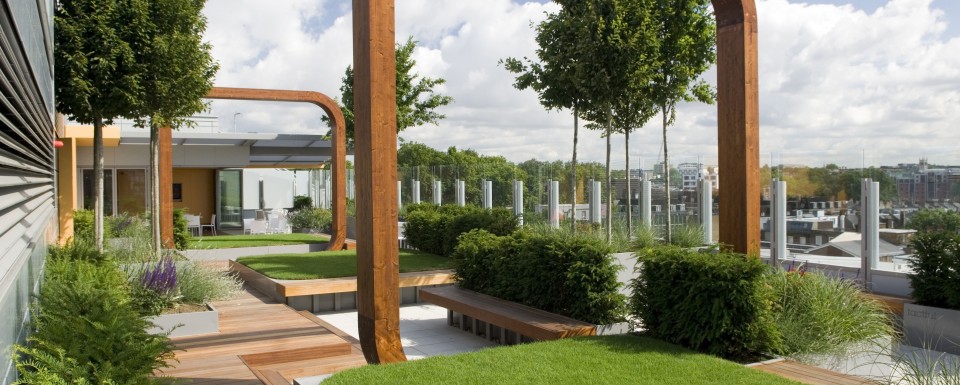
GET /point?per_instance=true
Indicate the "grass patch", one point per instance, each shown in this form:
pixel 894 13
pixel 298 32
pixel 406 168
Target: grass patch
pixel 333 264
pixel 623 359
pixel 234 241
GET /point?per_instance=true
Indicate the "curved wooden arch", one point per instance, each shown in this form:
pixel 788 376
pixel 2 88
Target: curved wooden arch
pixel 332 110
pixel 738 124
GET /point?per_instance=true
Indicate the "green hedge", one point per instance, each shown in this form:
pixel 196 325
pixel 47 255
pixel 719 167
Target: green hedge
pixel 711 302
pixel 86 330
pixel 315 218
pixel 571 276
pixel 435 229
pixel 936 269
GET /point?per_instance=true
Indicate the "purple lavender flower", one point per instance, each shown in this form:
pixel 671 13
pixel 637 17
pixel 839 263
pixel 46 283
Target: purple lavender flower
pixel 161 279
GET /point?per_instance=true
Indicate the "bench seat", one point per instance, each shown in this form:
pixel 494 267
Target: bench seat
pixel 521 319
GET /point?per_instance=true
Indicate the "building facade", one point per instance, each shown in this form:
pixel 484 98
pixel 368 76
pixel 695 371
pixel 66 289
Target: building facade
pixel 28 217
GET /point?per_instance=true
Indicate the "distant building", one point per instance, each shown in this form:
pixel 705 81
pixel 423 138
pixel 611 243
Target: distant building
pixel 918 183
pixel 692 173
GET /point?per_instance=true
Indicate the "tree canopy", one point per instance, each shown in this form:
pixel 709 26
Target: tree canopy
pixel 416 100
pixel 933 220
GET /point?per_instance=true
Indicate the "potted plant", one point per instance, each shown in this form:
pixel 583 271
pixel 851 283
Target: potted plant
pixel 933 321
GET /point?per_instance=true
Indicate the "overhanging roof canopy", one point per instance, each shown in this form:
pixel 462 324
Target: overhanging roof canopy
pixel 266 149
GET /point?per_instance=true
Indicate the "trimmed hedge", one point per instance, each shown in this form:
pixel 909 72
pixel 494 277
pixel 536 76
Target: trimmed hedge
pixel 435 229
pixel 714 303
pixel 571 276
pixel 936 269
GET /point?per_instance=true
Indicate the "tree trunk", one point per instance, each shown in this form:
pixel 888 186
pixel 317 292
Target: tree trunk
pixel 666 175
pixel 573 182
pixel 155 188
pixel 609 179
pixel 626 141
pixel 98 183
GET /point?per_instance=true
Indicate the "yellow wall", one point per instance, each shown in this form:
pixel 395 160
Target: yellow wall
pixel 198 190
pixel 67 183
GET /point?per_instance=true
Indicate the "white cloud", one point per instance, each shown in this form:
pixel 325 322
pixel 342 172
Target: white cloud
pixel 833 79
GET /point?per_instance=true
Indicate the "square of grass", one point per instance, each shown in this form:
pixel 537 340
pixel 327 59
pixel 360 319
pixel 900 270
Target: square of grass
pixel 334 264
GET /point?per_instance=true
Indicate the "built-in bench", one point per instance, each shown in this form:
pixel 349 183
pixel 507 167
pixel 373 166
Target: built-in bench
pixel 500 320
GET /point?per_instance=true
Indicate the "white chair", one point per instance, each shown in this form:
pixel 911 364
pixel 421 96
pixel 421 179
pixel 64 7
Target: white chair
pixel 193 223
pixel 258 227
pixel 247 222
pixel 212 225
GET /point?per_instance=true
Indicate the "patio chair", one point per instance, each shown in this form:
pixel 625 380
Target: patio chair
pixel 247 222
pixel 258 227
pixel 212 225
pixel 193 223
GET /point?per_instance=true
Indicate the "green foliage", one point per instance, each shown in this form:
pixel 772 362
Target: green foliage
pixel 200 283
pixel 302 202
pixel 936 269
pixel 77 250
pixel 83 225
pixel 819 314
pixel 850 180
pixel 416 101
pixel 436 230
pixel 86 330
pixel 687 236
pixel 931 220
pixel 181 234
pixel 710 302
pixel 571 276
pixel 315 218
pixel 419 161
pixel 619 241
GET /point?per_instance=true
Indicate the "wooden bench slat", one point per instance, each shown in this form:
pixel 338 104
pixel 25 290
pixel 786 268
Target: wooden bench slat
pixel 528 321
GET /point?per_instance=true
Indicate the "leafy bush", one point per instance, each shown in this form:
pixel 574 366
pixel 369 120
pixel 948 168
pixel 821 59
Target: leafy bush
pixel 934 220
pixel 571 276
pixel 83 225
pixel 77 249
pixel 118 225
pixel 819 314
pixel 301 202
pixel 86 331
pixel 936 269
pixel 198 283
pixel 711 302
pixel 435 229
pixel 156 289
pixel 311 218
pixel 181 234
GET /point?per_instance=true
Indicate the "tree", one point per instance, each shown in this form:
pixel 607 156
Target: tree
pixel 686 48
pixel 179 72
pixel 553 76
pixel 416 101
pixel 96 75
pixel 850 180
pixel 935 220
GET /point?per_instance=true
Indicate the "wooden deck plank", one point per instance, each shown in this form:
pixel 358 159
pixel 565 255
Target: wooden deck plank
pixel 810 374
pixel 266 333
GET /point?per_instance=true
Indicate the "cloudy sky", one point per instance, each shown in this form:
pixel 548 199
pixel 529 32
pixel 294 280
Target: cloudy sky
pixel 841 81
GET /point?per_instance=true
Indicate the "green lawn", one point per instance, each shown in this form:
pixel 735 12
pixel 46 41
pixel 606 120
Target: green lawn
pixel 233 241
pixel 589 360
pixel 333 264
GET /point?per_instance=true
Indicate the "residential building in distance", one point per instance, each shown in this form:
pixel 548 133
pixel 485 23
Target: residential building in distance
pixel 919 183
pixel 692 173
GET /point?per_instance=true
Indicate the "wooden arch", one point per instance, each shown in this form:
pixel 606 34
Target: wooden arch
pixel 339 225
pixel 375 96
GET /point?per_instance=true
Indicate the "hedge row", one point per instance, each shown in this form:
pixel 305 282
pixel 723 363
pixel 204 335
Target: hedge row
pixel 571 276
pixel 435 229
pixel 710 302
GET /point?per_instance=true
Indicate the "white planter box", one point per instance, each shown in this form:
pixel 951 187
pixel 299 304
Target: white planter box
pixel 187 324
pixel 932 328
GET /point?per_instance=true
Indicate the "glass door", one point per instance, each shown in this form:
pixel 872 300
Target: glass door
pixel 107 191
pixel 230 198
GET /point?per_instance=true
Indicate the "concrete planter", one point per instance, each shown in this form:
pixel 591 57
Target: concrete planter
pixel 932 328
pixel 614 329
pixel 187 324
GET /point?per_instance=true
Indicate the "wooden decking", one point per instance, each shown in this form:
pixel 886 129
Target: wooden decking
pixel 261 341
pixel 810 374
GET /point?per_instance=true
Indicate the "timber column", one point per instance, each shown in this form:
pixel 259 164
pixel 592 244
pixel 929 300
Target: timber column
pixel 375 154
pixel 738 124
pixel 166 186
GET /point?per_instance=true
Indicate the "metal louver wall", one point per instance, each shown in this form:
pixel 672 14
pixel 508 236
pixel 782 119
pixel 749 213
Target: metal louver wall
pixel 27 212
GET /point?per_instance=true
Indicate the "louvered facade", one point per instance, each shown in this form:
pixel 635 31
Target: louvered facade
pixel 28 218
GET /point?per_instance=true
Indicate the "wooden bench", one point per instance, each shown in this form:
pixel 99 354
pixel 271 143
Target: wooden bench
pixel 478 311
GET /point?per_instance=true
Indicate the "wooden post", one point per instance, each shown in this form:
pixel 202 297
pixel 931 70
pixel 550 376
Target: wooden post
pixel 166 186
pixel 339 156
pixel 375 154
pixel 738 124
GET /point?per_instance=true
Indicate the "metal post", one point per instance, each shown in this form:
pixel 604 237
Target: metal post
pixel 706 211
pixel 778 222
pixel 399 194
pixel 595 200
pixel 461 193
pixel 518 200
pixel 869 230
pixel 487 194
pixel 646 206
pixel 437 192
pixel 554 204
pixel 415 186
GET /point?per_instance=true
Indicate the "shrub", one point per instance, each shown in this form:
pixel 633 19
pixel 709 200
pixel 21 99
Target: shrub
pixel 571 276
pixel 934 220
pixel 435 230
pixel 198 283
pixel 77 249
pixel 711 302
pixel 687 236
pixel 156 288
pixel 311 218
pixel 118 225
pixel 819 314
pixel 83 225
pixel 936 269
pixel 301 202
pixel 181 234
pixel 86 330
